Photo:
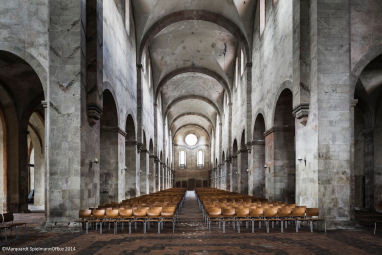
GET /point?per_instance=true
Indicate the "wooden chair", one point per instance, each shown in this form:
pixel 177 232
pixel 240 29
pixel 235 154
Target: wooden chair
pixel 228 215
pixel 126 215
pixel 270 215
pixel 242 215
pixel 154 215
pixel 284 215
pixel 168 215
pixel 84 217
pixel 256 214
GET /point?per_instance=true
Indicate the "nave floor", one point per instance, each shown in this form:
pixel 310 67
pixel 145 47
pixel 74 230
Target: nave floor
pixel 192 237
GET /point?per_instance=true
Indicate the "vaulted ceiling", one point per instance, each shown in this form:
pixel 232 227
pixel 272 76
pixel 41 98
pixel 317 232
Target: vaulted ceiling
pixel 193 45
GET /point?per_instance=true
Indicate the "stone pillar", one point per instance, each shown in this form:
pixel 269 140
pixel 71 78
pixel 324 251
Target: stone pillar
pixel 334 94
pixel 132 169
pixel 152 181
pixel 269 165
pixel 226 175
pixel 243 174
pixel 144 171
pixel 229 174
pixel 64 113
pixel 258 174
pixel 162 176
pixel 235 174
pixel 157 174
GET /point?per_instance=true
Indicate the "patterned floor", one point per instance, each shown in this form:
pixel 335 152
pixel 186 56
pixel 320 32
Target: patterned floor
pixel 191 237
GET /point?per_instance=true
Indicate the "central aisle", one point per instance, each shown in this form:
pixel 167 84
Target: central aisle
pixel 190 218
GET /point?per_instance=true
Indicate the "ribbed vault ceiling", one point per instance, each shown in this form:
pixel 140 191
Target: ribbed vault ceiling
pixel 193 45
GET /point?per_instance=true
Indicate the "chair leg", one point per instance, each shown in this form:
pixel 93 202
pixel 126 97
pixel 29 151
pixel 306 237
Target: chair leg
pixel 267 226
pixel 253 226
pixel 173 226
pixel 223 226
pixel 87 226
pixel 144 227
pixel 129 227
pixel 100 227
pixel 159 227
pixel 296 226
pixel 375 227
pixel 238 226
pixel 311 226
pixel 282 227
pixel 115 227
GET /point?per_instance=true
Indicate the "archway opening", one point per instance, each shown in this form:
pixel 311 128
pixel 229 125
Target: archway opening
pixel 258 174
pixel 36 163
pixel 130 158
pixel 367 173
pixel 109 150
pixel 284 149
pixel 21 94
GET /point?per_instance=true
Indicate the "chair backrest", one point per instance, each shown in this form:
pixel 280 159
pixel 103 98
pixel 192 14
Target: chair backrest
pixel 126 212
pixel 312 212
pixel 99 213
pixel 215 211
pixel 242 212
pixel 112 213
pixel 85 214
pixel 140 212
pixel 228 211
pixel 154 211
pixel 270 212
pixel 298 212
pixel 284 211
pixel 256 212
pixel 7 217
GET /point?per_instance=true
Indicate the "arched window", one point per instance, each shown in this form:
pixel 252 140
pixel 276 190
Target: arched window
pixel 242 66
pixel 182 159
pixel 262 16
pixel 200 159
pixel 127 16
pixel 237 72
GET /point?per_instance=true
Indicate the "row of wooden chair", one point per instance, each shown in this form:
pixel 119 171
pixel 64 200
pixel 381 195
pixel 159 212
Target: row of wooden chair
pixel 145 210
pixel 221 207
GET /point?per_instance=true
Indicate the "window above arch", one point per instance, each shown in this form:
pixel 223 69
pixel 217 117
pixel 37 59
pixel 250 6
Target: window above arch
pixel 262 17
pixel 200 159
pixel 182 159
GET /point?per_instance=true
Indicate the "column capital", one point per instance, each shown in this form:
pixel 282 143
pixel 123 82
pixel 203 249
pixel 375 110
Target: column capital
pixel 139 147
pixel 94 113
pixel 301 112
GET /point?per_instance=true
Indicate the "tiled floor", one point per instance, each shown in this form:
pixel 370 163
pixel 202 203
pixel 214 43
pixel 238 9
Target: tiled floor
pixel 191 237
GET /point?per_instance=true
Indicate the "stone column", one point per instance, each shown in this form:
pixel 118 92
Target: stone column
pixel 157 174
pixel 258 174
pixel 235 174
pixel 243 175
pixel 152 181
pixel 64 108
pixel 162 176
pixel 132 169
pixel 144 171
pixel 269 164
pixel 334 93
